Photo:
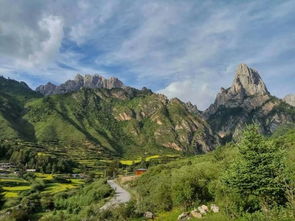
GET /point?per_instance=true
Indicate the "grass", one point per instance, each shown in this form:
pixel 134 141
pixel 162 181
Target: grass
pixel 17 188
pixel 169 216
pixel 173 215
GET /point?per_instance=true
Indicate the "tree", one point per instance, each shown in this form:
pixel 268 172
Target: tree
pixel 259 173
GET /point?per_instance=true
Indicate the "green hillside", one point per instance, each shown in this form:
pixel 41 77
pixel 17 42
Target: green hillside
pixel 121 120
pixel 124 121
pixel 18 90
pixel 249 180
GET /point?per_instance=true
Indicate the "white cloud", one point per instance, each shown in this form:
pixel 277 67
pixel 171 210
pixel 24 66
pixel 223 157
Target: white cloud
pixel 49 47
pixel 191 46
pixel 91 16
pixel 190 90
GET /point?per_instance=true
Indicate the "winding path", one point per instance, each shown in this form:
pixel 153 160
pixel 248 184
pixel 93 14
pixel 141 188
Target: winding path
pixel 121 196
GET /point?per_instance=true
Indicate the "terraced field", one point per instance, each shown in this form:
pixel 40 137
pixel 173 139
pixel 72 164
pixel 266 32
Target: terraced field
pixel 12 186
pixel 149 158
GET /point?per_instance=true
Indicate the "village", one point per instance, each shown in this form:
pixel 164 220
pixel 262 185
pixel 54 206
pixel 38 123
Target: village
pixel 17 180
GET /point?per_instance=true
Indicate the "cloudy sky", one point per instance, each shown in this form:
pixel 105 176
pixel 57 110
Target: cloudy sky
pixel 186 49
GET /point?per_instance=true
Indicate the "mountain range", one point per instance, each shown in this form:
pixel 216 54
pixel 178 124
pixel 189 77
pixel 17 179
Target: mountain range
pixel 105 113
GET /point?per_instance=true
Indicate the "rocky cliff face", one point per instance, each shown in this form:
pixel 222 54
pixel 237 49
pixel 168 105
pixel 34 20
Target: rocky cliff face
pixel 158 121
pixel 290 99
pixel 86 81
pixel 247 101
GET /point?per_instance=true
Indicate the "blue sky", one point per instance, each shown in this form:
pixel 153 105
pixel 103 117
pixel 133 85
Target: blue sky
pixel 186 49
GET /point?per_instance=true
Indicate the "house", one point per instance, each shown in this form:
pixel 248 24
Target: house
pixel 140 171
pixel 6 166
pixel 77 176
pixel 31 170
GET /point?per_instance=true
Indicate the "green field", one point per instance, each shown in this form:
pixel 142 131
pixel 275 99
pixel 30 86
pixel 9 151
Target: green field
pixel 17 188
pixel 11 194
pixel 149 158
pixel 13 180
pixel 44 176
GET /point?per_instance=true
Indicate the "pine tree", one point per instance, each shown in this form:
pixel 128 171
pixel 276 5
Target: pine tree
pixel 260 170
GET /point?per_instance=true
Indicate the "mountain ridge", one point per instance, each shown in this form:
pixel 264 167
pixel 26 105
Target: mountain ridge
pixel 122 119
pixel 80 81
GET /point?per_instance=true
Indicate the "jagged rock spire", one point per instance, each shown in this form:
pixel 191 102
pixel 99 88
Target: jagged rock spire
pixel 248 81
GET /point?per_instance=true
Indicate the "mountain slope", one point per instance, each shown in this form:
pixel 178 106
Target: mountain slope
pixel 20 91
pixel 121 120
pixel 247 101
pixel 13 95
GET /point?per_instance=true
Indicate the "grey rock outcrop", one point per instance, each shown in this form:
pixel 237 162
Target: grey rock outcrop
pixel 246 101
pixel 248 82
pixel 290 99
pixel 80 81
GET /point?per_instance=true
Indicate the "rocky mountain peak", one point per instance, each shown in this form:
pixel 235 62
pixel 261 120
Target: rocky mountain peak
pixel 246 101
pixel 81 81
pixel 290 99
pixel 248 81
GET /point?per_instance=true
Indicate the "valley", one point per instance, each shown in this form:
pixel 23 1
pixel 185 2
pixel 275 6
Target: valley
pixel 66 151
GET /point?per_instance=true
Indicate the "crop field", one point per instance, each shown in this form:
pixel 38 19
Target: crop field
pixel 12 180
pixel 10 194
pixel 16 188
pixel 44 176
pixel 149 158
pixel 59 187
pixel 13 185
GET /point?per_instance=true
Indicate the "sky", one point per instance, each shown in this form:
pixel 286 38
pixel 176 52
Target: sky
pixel 184 48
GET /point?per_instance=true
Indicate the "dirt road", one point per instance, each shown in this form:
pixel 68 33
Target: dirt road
pixel 121 196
